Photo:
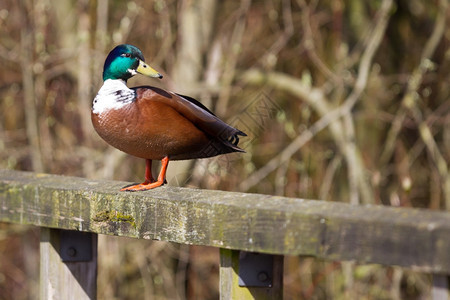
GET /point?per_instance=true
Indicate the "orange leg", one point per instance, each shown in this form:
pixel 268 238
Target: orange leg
pixel 148 172
pixel 149 182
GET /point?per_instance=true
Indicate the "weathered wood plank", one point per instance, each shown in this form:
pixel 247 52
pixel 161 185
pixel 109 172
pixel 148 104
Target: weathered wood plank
pixel 414 238
pixel 66 280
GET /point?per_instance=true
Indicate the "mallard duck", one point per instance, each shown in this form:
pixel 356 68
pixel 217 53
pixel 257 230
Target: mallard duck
pixel 154 124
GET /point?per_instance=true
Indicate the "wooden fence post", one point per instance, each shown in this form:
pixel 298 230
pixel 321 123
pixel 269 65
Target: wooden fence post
pixel 230 283
pixel 68 267
pixel 440 289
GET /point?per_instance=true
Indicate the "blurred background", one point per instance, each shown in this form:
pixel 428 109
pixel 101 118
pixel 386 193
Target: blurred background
pixel 342 100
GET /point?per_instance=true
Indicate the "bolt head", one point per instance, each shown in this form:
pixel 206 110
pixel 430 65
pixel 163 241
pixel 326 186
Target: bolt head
pixel 72 252
pixel 262 276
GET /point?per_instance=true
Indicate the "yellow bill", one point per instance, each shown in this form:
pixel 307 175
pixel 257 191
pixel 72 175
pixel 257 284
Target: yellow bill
pixel 146 70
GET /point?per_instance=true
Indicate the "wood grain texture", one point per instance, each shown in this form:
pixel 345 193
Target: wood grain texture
pixel 413 238
pixel 65 280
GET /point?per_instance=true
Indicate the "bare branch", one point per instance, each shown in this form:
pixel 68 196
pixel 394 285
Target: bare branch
pixel 329 117
pixel 31 112
pixel 308 42
pixel 409 103
pixel 230 67
pixel 415 81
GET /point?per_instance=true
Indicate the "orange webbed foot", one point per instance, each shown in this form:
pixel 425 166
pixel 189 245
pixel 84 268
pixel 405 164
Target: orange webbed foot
pixel 149 182
pixel 142 186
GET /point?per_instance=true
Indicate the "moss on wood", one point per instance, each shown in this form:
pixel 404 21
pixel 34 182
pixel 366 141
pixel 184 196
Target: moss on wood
pixel 113 216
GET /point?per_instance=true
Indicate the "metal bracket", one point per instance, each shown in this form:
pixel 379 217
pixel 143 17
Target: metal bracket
pixel 255 269
pixel 75 246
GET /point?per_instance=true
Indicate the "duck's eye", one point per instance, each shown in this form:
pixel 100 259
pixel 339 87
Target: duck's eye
pixel 126 55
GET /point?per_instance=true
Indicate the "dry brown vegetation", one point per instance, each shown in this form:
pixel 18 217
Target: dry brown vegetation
pixel 342 100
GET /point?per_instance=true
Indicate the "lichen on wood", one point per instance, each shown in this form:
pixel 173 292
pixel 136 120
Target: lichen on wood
pixel 413 238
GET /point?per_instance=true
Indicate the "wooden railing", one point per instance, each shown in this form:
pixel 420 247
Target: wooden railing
pixel 253 231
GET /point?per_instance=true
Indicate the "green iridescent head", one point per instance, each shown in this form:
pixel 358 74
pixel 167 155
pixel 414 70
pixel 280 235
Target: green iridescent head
pixel 125 61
